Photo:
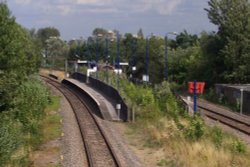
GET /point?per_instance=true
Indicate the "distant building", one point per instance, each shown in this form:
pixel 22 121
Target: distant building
pixel 232 95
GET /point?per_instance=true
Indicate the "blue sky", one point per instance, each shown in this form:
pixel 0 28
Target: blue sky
pixel 75 18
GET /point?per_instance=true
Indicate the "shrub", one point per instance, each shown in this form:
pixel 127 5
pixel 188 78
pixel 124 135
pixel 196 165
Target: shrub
pixel 30 104
pixel 217 136
pixel 195 130
pixel 10 138
pixel 238 147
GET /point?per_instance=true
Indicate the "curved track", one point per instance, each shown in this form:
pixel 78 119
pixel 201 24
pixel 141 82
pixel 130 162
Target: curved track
pixel 97 145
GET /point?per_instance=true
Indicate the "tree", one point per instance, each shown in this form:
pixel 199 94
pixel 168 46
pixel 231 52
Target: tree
pixel 18 56
pixel 45 33
pixel 100 31
pixel 19 59
pixel 185 40
pixel 56 50
pixel 232 19
pixel 140 34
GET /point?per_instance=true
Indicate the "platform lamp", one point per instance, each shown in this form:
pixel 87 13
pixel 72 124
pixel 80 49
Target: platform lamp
pixel 166 53
pixel 134 44
pixel 98 35
pixel 146 76
pixel 107 56
pixel 118 60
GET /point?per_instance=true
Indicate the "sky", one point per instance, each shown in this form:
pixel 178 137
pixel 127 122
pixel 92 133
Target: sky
pixel 78 18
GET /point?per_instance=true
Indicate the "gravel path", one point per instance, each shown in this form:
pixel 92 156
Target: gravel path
pixel 72 147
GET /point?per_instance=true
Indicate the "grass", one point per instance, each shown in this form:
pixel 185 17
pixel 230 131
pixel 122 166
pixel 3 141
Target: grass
pixel 178 151
pixel 51 127
pixel 186 141
pixel 52 122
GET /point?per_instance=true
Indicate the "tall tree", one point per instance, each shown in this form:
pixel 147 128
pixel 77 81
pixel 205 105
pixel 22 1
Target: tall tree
pixel 100 32
pixel 56 50
pixel 45 33
pixel 18 56
pixel 232 19
pixel 185 40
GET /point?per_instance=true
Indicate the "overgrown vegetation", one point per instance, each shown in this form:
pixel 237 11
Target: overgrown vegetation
pixel 52 122
pixel 22 96
pixel 20 126
pixel 161 123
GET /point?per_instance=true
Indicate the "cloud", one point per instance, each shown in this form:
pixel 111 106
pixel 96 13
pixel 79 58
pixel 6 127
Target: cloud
pixel 94 2
pixel 65 7
pixel 167 8
pixel 22 2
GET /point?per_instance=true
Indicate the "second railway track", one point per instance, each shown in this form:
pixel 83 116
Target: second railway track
pixel 229 118
pixel 98 149
pixel 233 120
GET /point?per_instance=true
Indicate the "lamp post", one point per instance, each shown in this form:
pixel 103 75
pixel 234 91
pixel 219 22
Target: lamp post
pixel 147 50
pixel 241 100
pixel 106 56
pixel 134 44
pixel 96 56
pixel 166 53
pixel 88 52
pixel 146 76
pixel 96 53
pixel 118 60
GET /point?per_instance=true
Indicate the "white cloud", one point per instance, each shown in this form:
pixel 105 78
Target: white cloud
pixel 168 8
pixel 94 2
pixel 22 2
pixel 163 7
pixel 66 7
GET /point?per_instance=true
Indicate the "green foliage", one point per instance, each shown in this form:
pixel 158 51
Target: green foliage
pixel 166 100
pixel 56 51
pixel 238 147
pixel 185 40
pixel 10 138
pixel 45 33
pixel 217 136
pixel 169 163
pixel 30 102
pixel 51 125
pixel 152 142
pixel 21 126
pixel 18 57
pixel 195 130
pixel 232 19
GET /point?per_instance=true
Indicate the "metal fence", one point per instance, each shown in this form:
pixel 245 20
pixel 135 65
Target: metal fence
pixel 108 91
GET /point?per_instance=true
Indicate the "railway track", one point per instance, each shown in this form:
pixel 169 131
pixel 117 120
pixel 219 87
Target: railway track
pixel 229 118
pixel 234 120
pixel 98 148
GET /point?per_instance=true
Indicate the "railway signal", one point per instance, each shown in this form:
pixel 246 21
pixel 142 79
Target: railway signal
pixel 196 88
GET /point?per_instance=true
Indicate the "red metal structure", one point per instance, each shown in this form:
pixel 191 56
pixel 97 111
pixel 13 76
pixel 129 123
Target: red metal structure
pixel 199 87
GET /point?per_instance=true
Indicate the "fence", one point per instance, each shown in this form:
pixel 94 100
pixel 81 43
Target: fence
pixel 108 91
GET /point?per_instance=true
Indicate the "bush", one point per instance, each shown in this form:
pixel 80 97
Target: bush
pixel 30 104
pixel 195 130
pixel 20 126
pixel 238 147
pixel 217 136
pixel 10 138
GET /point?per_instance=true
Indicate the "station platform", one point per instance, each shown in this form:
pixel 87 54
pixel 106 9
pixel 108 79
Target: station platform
pixel 107 109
